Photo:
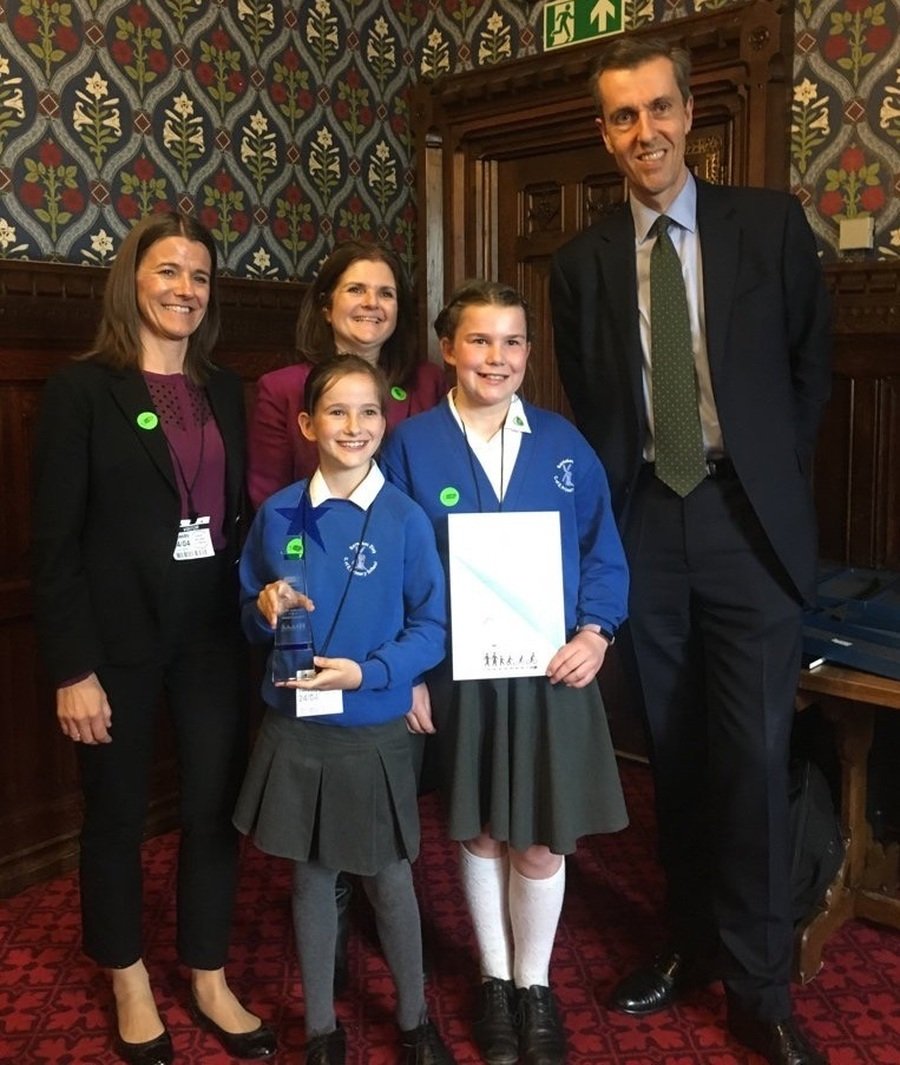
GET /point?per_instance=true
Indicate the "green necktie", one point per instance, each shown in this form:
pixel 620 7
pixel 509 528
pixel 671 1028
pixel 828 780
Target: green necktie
pixel 677 436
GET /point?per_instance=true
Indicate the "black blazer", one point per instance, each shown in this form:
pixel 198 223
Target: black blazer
pixel 107 511
pixel 768 339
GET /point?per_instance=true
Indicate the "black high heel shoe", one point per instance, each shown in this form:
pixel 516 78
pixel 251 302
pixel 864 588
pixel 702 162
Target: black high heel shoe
pixel 157 1051
pixel 260 1043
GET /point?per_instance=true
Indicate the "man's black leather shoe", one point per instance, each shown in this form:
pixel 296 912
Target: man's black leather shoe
pixel 656 986
pixel 495 1026
pixel 779 1042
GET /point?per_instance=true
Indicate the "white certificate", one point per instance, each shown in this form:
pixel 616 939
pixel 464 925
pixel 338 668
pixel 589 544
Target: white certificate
pixel 506 593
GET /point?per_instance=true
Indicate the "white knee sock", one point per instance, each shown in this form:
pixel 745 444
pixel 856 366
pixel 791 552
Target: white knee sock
pixel 484 883
pixel 534 909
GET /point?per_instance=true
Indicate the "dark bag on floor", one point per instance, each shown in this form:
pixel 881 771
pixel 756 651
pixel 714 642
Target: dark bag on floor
pixel 816 841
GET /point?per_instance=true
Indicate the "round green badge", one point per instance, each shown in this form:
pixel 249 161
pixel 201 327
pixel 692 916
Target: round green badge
pixel 518 421
pixel 449 496
pixel 398 393
pixel 294 548
pixel 147 419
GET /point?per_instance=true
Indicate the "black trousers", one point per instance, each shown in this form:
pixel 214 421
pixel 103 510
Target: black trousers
pixel 716 629
pixel 196 672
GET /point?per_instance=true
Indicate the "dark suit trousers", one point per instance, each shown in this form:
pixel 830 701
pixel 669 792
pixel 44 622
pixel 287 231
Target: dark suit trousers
pixel 197 675
pixel 716 631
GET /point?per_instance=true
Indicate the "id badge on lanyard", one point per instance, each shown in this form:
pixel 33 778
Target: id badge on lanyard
pixel 318 703
pixel 194 540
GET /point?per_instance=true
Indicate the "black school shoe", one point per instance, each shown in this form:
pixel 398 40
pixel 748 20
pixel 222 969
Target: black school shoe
pixel 495 1026
pixel 424 1046
pixel 327 1049
pixel 541 1037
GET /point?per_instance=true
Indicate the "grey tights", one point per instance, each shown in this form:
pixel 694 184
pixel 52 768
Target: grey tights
pixel 315 928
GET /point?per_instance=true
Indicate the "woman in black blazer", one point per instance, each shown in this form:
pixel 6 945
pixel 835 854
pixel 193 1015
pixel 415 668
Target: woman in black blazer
pixel 140 465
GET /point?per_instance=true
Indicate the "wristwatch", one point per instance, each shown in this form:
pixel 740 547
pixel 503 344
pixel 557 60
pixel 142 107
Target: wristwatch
pixel 610 637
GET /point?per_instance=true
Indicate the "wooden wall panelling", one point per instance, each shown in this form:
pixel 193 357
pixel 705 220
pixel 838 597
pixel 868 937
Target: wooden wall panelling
pixel 832 472
pixel 49 312
pixel 857 475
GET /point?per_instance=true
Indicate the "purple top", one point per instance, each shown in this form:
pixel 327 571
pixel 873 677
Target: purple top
pixel 277 453
pixel 195 444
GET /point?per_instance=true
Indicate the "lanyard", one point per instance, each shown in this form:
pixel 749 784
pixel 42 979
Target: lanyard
pixel 305 501
pixel 189 488
pixel 471 456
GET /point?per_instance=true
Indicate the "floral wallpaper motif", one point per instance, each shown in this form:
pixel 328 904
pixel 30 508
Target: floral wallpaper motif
pixel 285 125
pixel 845 128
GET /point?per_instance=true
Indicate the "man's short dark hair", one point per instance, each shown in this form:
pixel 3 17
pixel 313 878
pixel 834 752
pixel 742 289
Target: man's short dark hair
pixel 627 52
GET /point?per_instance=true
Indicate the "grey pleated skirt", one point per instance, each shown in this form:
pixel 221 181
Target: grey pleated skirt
pixel 532 762
pixel 344 797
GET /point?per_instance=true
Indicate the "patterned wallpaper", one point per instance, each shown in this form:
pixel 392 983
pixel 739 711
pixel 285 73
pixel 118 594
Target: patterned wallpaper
pixel 845 128
pixel 285 126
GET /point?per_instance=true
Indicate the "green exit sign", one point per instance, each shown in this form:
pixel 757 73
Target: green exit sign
pixel 572 21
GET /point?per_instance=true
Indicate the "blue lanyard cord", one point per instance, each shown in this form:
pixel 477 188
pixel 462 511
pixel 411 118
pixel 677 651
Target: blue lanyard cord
pixel 359 547
pixel 471 456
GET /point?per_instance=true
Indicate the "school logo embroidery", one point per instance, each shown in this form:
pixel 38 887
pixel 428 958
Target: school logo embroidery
pixel 564 479
pixel 361 561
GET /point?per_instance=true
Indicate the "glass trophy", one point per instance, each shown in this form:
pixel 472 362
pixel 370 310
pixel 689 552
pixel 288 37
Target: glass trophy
pixel 292 654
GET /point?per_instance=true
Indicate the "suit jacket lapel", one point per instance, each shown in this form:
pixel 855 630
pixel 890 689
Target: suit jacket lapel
pixel 133 397
pixel 720 242
pixel 618 269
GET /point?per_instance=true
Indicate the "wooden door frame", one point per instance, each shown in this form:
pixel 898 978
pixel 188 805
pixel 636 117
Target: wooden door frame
pixel 464 124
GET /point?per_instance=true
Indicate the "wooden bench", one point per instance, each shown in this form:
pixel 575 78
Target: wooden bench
pixel 867 884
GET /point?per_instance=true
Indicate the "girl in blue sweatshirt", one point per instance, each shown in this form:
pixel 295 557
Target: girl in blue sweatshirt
pixel 527 761
pixel 331 782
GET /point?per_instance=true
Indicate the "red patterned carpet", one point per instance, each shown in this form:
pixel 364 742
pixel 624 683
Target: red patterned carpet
pixel 54 1007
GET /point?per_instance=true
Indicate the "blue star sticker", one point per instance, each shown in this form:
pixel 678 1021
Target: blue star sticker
pixel 304 519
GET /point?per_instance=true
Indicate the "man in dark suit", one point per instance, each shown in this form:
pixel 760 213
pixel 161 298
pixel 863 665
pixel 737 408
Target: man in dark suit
pixel 723 552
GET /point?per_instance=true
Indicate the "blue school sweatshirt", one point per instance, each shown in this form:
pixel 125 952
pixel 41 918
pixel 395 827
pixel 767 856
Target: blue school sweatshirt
pixel 556 469
pixel 393 618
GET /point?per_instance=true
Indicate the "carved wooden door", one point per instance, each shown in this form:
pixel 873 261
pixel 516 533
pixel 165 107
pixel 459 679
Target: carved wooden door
pixel 544 199
pixel 547 196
